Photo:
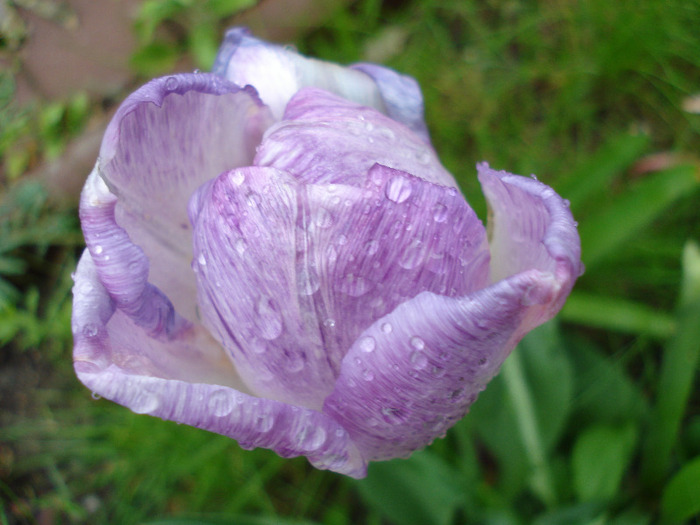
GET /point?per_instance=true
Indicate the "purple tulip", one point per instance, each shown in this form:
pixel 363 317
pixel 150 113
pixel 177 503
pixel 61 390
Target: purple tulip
pixel 290 265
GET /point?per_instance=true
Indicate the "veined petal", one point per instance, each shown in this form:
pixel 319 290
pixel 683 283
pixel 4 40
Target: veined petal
pixel 166 139
pixel 402 97
pixel 278 72
pixel 530 226
pixel 188 379
pixel 431 357
pixel 344 257
pixel 326 139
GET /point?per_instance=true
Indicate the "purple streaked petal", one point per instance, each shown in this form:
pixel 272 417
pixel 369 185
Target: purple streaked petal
pixel 278 72
pixel 344 257
pixel 189 380
pixel 530 227
pixel 166 139
pixel 402 97
pixel 430 358
pixel 327 139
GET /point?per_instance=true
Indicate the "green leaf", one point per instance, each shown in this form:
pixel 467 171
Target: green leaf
pixel 423 490
pixel 620 315
pixel 600 457
pixel 681 498
pixel 230 520
pixel 603 233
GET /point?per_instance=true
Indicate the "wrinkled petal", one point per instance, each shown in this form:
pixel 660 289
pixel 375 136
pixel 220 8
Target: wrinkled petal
pixel 189 380
pixel 327 139
pixel 433 354
pixel 344 257
pixel 530 227
pixel 278 72
pixel 402 97
pixel 166 139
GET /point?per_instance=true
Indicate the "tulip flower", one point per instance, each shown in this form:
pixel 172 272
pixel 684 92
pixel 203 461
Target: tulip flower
pixel 275 254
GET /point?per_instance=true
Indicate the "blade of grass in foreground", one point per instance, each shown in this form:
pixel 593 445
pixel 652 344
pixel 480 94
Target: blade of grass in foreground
pixel 677 373
pixel 604 233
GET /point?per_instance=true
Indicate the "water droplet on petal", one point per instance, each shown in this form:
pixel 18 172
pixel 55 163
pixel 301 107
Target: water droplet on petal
pixel 329 323
pixel 171 83
pixel 268 319
pixel 417 343
pixel 413 256
pixel 387 328
pixel 398 189
pixel 98 249
pixel 419 360
pixel 264 422
pixel 253 199
pixel 145 403
pixel 202 260
pixel 90 330
pixel 324 218
pixel 423 156
pixel 372 247
pixel 331 254
pixel 221 403
pixel 237 178
pixel 440 213
pixel 387 133
pixel 96 396
pixel 367 344
pixel 311 437
pixel 367 375
pixel 308 282
pixel 240 246
pixel 353 286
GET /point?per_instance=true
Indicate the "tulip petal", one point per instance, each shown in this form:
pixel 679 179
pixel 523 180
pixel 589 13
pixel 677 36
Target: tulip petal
pixel 432 355
pixel 344 257
pixel 326 139
pixel 278 72
pixel 402 97
pixel 165 140
pixel 188 379
pixel 530 227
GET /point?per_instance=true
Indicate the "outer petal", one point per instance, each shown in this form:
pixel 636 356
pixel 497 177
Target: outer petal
pixel 278 72
pixel 324 138
pixel 343 258
pixel 189 380
pixel 530 227
pixel 433 354
pixel 165 140
pixel 402 97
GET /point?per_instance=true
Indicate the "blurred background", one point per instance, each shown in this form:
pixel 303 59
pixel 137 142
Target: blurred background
pixel 595 418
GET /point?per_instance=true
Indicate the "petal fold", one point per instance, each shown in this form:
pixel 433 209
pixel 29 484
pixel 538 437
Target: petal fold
pixel 166 139
pixel 278 72
pixel 326 139
pixel 189 380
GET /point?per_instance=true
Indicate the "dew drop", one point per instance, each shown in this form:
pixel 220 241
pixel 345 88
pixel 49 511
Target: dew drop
pixel 417 343
pixel 264 422
pixel 201 260
pixel 353 286
pixel 90 330
pixel 331 254
pixel 324 218
pixel 342 240
pixel 367 375
pixel 387 133
pixel 253 199
pixel 145 403
pixel 372 247
pixel 329 323
pixel 423 156
pixel 96 396
pixel 440 213
pixel 311 438
pixel 220 403
pixel 98 249
pixel 171 84
pixel 269 319
pixel 240 246
pixel 398 189
pixel 419 360
pixel 308 282
pixel 387 328
pixel 237 178
pixel 367 344
pixel 413 256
